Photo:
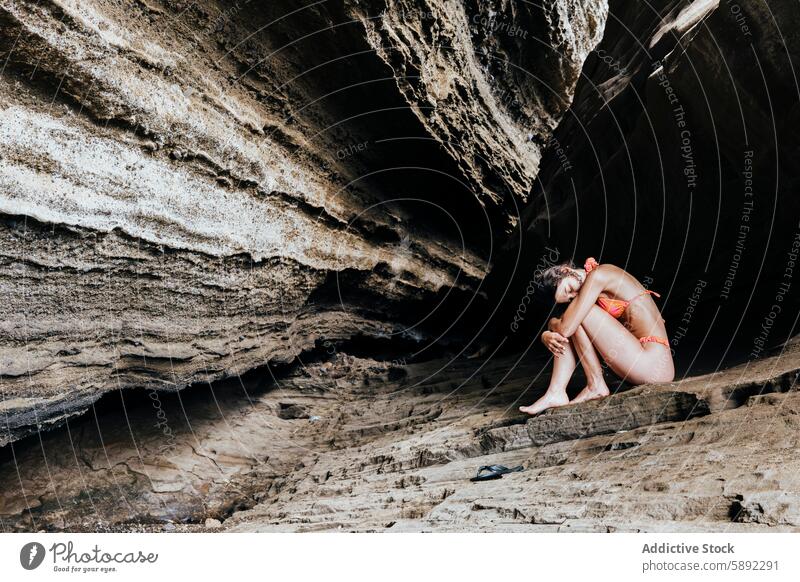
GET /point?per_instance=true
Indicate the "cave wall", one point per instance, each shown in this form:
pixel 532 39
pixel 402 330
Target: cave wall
pixel 675 162
pixel 489 81
pixel 189 190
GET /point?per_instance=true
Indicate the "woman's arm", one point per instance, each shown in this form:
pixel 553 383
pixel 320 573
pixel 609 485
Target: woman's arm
pixel 594 284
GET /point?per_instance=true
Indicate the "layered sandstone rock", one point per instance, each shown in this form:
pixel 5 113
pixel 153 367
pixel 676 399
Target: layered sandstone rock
pixel 191 190
pixel 488 80
pixel 360 445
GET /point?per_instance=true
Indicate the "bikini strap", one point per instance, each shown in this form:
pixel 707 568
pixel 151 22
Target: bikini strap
pixel 643 293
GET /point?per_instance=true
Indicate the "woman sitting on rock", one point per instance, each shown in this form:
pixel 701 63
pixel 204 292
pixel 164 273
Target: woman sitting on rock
pixel 609 313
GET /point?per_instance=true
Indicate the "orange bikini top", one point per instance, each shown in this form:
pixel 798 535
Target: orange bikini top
pixel 614 307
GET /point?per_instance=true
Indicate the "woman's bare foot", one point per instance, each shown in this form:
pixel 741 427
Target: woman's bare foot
pixel 549 400
pixel 591 392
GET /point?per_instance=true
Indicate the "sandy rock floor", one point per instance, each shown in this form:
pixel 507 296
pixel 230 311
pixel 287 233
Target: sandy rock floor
pixel 358 445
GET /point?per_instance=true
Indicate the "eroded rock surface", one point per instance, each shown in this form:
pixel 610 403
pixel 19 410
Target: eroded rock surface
pixel 191 190
pixel 489 80
pixel 374 446
pixel 660 466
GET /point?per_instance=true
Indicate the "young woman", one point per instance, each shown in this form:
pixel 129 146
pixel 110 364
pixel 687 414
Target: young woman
pixel 609 314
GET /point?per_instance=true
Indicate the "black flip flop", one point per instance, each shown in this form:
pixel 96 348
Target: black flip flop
pixel 490 472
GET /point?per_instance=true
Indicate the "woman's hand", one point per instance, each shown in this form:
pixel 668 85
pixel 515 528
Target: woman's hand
pixel 555 342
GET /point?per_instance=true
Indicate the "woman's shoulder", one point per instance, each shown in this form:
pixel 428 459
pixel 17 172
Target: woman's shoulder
pixel 606 270
pixel 609 268
pixel 615 278
pixel 605 275
pixel 591 265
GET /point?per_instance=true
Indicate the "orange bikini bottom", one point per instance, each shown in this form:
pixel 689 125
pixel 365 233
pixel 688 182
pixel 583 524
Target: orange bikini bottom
pixel 654 338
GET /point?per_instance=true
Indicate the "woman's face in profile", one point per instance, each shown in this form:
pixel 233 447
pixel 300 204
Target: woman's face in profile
pixel 567 289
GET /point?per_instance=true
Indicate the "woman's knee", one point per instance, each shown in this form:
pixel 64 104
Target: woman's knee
pixel 580 335
pixel 660 371
pixel 598 321
pixel 663 376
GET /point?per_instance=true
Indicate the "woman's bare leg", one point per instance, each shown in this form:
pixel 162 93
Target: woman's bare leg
pixel 556 395
pixel 624 353
pixel 596 386
pixel 617 346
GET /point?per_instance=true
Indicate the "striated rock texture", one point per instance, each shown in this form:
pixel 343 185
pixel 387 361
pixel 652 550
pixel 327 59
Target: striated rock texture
pixel 309 213
pixel 488 80
pixel 189 190
pixel 359 445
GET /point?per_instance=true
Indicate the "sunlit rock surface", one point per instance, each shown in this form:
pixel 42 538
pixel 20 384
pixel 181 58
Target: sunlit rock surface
pixel 191 190
pixel 356 444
